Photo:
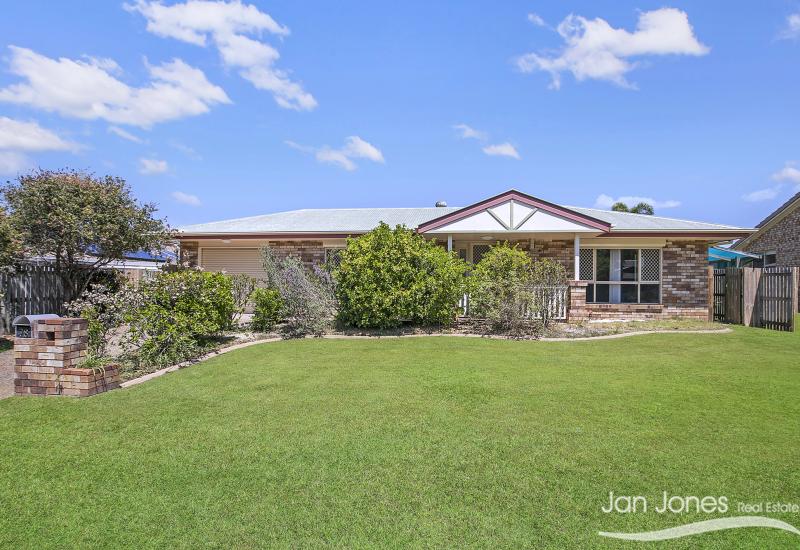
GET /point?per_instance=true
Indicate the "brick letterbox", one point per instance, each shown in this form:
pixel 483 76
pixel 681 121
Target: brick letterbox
pixel 47 362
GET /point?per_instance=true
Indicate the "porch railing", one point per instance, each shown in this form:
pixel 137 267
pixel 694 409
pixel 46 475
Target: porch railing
pixel 555 299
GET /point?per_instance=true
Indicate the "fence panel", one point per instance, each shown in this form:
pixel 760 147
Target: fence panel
pixel 30 289
pixel 555 298
pixel 756 297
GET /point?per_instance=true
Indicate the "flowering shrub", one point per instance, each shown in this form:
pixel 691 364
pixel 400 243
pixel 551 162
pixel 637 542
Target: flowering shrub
pixel 171 315
pixel 309 304
pixel 391 276
pixel 101 306
pixel 267 309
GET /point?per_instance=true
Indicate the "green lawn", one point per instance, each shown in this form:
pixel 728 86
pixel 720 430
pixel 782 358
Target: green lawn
pixel 435 442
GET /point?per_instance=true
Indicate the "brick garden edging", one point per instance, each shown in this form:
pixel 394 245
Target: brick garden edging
pixel 173 368
pixel 46 364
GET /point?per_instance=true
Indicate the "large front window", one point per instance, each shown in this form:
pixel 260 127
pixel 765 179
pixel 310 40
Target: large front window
pixel 622 275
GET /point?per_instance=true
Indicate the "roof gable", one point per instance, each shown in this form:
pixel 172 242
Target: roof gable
pixel 513 211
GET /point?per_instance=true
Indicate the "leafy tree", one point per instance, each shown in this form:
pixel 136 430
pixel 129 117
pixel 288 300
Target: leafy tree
pixel 9 243
pixel 392 276
pixel 641 208
pixel 80 221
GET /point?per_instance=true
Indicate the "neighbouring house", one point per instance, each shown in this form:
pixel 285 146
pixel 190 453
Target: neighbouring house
pixel 622 265
pixel 722 256
pixel 777 237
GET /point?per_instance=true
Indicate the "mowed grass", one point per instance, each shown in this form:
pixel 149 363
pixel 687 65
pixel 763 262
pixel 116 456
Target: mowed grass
pixel 425 442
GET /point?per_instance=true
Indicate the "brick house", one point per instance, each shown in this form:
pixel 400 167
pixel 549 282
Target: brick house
pixel 621 265
pixel 777 237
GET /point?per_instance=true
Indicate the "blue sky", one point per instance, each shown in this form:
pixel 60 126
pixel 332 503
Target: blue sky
pixel 216 110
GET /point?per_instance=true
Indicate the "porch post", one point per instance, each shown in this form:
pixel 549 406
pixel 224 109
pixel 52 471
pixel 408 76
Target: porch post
pixel 449 243
pixel 577 257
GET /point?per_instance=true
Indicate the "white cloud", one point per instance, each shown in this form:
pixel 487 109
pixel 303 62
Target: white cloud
pixel 86 89
pixel 186 150
pixel 787 173
pixel 467 132
pixel 12 162
pixel 792 29
pixel 501 150
pixel 593 49
pixel 29 136
pixel 226 25
pixel 606 201
pixel 186 198
pixel 124 134
pixel 152 166
pixel 763 194
pixel 354 148
pixel 536 20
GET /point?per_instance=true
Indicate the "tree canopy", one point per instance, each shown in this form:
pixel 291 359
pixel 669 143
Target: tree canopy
pixel 641 208
pixel 80 222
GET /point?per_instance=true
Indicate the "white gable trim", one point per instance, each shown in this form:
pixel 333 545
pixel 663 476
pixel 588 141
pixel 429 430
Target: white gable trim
pixel 514 217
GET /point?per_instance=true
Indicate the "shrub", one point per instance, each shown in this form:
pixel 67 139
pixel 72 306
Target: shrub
pixel 267 308
pixel 309 304
pixel 546 277
pixel 391 276
pixel 512 292
pixel 102 307
pixel 242 287
pixel 171 315
pixel 500 289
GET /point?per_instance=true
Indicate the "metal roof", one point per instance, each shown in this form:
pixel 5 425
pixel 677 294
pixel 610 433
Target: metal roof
pixel 356 220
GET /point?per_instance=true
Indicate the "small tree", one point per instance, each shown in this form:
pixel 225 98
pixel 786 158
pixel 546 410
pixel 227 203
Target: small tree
pixel 391 276
pixel 547 279
pixel 80 221
pixel 501 288
pixel 620 207
pixel 9 241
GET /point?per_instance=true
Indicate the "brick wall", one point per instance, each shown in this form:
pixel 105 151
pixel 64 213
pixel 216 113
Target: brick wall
pixel 308 252
pixel 783 238
pixel 562 252
pixel 47 364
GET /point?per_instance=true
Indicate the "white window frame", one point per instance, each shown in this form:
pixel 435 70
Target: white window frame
pixel 638 282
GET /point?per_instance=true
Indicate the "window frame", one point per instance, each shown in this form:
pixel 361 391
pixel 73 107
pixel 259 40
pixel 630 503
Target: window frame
pixel 638 282
pixel 770 253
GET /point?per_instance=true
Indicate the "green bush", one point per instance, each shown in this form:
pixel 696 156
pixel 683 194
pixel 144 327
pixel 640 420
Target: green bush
pixel 513 292
pixel 391 276
pixel 267 307
pixel 242 287
pixel 171 316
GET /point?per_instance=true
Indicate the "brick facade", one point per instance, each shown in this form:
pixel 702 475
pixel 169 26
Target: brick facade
pixel 47 363
pixel 308 252
pixel 783 238
pixel 562 252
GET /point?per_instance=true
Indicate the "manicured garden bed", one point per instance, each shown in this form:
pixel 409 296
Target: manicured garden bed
pixel 441 441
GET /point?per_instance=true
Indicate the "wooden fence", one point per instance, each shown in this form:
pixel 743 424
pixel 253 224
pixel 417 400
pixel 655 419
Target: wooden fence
pixel 754 297
pixel 30 289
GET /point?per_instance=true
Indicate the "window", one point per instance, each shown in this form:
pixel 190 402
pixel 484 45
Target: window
pixel 770 258
pixel 622 276
pixel 333 257
pixel 478 250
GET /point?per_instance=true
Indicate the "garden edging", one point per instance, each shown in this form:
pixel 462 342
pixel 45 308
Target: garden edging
pixel 161 372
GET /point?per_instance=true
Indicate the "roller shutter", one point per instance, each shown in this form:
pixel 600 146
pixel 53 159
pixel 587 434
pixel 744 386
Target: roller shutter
pixel 233 260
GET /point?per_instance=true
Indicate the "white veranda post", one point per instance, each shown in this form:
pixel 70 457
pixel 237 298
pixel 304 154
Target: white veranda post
pixel 577 257
pixel 449 243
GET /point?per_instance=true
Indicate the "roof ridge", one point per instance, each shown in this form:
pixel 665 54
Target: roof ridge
pixel 651 216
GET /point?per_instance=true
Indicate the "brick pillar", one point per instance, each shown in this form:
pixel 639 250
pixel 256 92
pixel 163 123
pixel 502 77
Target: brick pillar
pixel 47 363
pixel 577 301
